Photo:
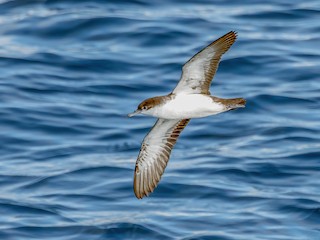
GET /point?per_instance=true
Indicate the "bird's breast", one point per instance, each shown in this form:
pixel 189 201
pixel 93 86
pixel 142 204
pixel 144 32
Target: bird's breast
pixel 188 106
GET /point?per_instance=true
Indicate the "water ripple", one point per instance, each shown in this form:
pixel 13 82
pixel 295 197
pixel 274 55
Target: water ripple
pixel 70 73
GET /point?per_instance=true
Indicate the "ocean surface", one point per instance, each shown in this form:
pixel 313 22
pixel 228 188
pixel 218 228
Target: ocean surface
pixel 72 70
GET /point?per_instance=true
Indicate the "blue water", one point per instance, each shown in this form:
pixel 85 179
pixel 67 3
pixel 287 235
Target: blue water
pixel 72 70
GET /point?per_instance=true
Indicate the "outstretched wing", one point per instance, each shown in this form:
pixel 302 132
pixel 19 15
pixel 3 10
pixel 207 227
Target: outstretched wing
pixel 154 154
pixel 198 72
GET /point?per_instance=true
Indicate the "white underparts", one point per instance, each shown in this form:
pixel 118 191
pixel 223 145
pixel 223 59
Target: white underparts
pixel 184 106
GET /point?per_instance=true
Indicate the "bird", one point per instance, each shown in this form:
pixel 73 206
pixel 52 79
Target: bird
pixel 190 98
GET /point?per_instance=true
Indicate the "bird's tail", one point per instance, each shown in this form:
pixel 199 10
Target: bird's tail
pixel 236 103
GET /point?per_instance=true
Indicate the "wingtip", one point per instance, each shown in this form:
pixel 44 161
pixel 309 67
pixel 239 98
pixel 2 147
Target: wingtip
pixel 140 195
pixel 230 35
pixel 141 188
pixel 138 186
pixel 235 33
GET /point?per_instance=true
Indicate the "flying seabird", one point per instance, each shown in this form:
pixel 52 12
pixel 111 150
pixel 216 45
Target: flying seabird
pixel 191 98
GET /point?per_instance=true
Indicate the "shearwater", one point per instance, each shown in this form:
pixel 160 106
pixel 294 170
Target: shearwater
pixel 190 99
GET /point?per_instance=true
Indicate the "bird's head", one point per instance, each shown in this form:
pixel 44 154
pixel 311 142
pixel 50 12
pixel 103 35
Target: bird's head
pixel 146 106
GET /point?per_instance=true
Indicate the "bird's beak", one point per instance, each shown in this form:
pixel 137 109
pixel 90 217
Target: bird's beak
pixel 134 113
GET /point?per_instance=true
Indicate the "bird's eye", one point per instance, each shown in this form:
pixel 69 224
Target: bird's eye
pixel 144 108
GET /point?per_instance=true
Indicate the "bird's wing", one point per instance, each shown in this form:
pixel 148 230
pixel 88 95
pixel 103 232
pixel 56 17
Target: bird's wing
pixel 198 72
pixel 154 154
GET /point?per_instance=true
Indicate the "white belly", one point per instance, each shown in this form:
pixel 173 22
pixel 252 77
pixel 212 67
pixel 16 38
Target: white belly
pixel 188 106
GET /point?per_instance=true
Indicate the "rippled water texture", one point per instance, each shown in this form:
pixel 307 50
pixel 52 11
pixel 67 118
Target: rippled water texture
pixel 72 70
